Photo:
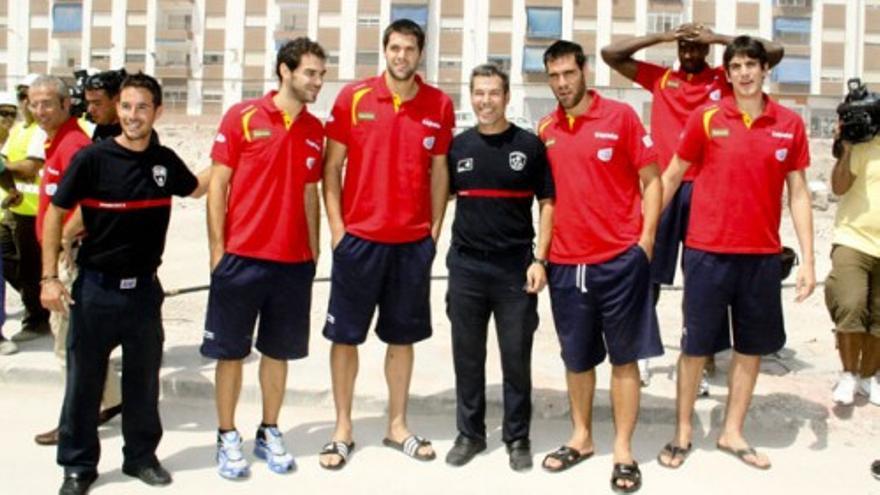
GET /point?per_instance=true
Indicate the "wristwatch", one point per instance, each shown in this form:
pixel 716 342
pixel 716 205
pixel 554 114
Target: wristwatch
pixel 540 261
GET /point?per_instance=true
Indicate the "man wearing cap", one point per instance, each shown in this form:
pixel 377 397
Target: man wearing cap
pixel 24 154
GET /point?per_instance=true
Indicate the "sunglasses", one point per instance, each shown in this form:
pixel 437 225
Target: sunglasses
pixel 9 114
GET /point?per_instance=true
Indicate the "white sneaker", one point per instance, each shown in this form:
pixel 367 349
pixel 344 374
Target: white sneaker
pixel 8 347
pixel 231 463
pixel 845 390
pixel 644 372
pixel 703 391
pixel 873 389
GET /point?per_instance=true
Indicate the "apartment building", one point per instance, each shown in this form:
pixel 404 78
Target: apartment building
pixel 211 53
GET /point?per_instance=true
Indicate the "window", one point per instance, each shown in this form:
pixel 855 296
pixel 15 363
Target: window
pixel 252 92
pixel 367 58
pixel 212 58
pixel 100 59
pixel 792 70
pixel 368 20
pixel 822 123
pixel 544 22
pixel 502 61
pixel 792 30
pixel 212 96
pixel 67 18
pixel 533 59
pixel 178 20
pixel 135 57
pixel 661 22
pixel 415 13
pixel 792 3
pixel 294 16
pixel 449 63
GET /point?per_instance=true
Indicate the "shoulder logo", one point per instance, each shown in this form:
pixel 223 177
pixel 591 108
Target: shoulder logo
pixel 715 95
pixel 313 144
pixel 221 138
pixel 719 132
pixel 464 165
pixel 50 189
pixel 606 135
pixel 517 160
pixel 782 154
pixel 431 123
pixel 605 154
pixel 160 175
pixel 782 135
pixel 428 142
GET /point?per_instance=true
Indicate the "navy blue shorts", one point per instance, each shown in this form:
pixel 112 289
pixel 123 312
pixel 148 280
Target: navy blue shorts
pixel 610 300
pixel 671 234
pixel 394 277
pixel 243 289
pixel 745 289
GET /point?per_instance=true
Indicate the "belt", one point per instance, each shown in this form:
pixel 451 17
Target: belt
pixel 109 281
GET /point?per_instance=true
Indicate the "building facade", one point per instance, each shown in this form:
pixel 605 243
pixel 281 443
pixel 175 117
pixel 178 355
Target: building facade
pixel 210 54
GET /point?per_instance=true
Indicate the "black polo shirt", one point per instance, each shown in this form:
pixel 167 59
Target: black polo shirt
pixel 106 131
pixel 125 198
pixel 495 178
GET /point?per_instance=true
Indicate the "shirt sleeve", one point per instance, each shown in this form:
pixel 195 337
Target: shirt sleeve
pixel 184 182
pixel 447 123
pixel 648 74
pixel 75 182
pixel 639 144
pixel 37 144
pixel 228 141
pixel 451 162
pixel 693 138
pixel 339 122
pixel 799 156
pixel 544 187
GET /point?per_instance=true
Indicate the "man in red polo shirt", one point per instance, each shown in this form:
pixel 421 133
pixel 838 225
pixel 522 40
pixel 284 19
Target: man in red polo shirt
pixel 263 214
pixel 675 93
pixel 385 219
pixel 745 148
pixel 607 205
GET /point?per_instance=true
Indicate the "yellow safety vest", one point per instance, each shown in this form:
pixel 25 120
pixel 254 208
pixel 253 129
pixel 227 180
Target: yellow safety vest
pixel 18 144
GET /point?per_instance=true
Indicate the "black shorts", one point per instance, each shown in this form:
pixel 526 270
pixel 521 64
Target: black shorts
pixel 671 234
pixel 745 289
pixel 242 289
pixel 394 277
pixel 605 306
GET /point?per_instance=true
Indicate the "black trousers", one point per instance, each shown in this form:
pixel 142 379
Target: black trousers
pixel 109 312
pixel 22 265
pixel 483 284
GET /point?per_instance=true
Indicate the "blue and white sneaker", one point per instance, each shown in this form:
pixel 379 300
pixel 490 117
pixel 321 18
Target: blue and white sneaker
pixel 231 463
pixel 270 448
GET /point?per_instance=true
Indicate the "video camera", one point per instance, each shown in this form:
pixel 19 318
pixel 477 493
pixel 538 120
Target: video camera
pixel 859 115
pixel 109 81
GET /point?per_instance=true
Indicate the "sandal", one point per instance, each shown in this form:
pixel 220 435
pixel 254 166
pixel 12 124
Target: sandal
pixel 567 458
pixel 342 449
pixel 673 452
pixel 741 455
pixel 411 446
pixel 626 472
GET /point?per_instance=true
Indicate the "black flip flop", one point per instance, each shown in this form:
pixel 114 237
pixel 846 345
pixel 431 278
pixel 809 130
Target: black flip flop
pixel 410 447
pixel 626 472
pixel 674 451
pixel 342 449
pixel 567 458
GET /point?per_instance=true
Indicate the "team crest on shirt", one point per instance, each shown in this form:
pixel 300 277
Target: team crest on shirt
pixel 715 95
pixel 781 154
pixel 605 154
pixel 50 189
pixel 310 162
pixel 428 142
pixel 465 165
pixel 160 175
pixel 517 160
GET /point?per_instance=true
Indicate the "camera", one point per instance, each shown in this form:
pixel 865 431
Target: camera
pixel 109 81
pixel 859 115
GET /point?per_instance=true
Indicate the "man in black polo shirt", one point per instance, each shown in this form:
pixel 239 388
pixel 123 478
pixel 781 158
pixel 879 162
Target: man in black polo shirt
pixel 495 170
pixel 123 187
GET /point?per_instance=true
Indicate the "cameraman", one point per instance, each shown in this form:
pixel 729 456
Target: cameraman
pixel 852 290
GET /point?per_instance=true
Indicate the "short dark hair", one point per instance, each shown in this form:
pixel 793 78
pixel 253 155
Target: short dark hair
pixel 563 48
pixel 141 80
pixel 404 26
pixel 490 70
pixel 745 46
pixel 290 53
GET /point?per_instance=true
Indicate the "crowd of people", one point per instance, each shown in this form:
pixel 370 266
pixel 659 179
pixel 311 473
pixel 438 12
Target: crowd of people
pixel 89 205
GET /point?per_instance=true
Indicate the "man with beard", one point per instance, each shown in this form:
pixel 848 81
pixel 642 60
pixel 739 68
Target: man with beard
pixel 746 148
pixel 603 237
pixel 384 220
pixel 495 169
pixel 267 152
pixel 123 187
pixel 675 94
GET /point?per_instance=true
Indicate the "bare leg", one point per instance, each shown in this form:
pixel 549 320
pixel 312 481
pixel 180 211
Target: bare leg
pixel 690 369
pixel 741 382
pixel 581 387
pixel 273 380
pixel 227 380
pixel 625 403
pixel 343 370
pixel 398 373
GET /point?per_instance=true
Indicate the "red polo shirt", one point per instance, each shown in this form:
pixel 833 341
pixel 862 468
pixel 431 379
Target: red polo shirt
pixel 676 94
pixel 272 159
pixel 595 159
pixel 60 149
pixel 386 196
pixel 742 164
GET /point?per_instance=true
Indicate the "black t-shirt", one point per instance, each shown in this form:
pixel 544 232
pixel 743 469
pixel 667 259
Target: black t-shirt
pixel 125 198
pixel 495 177
pixel 106 131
